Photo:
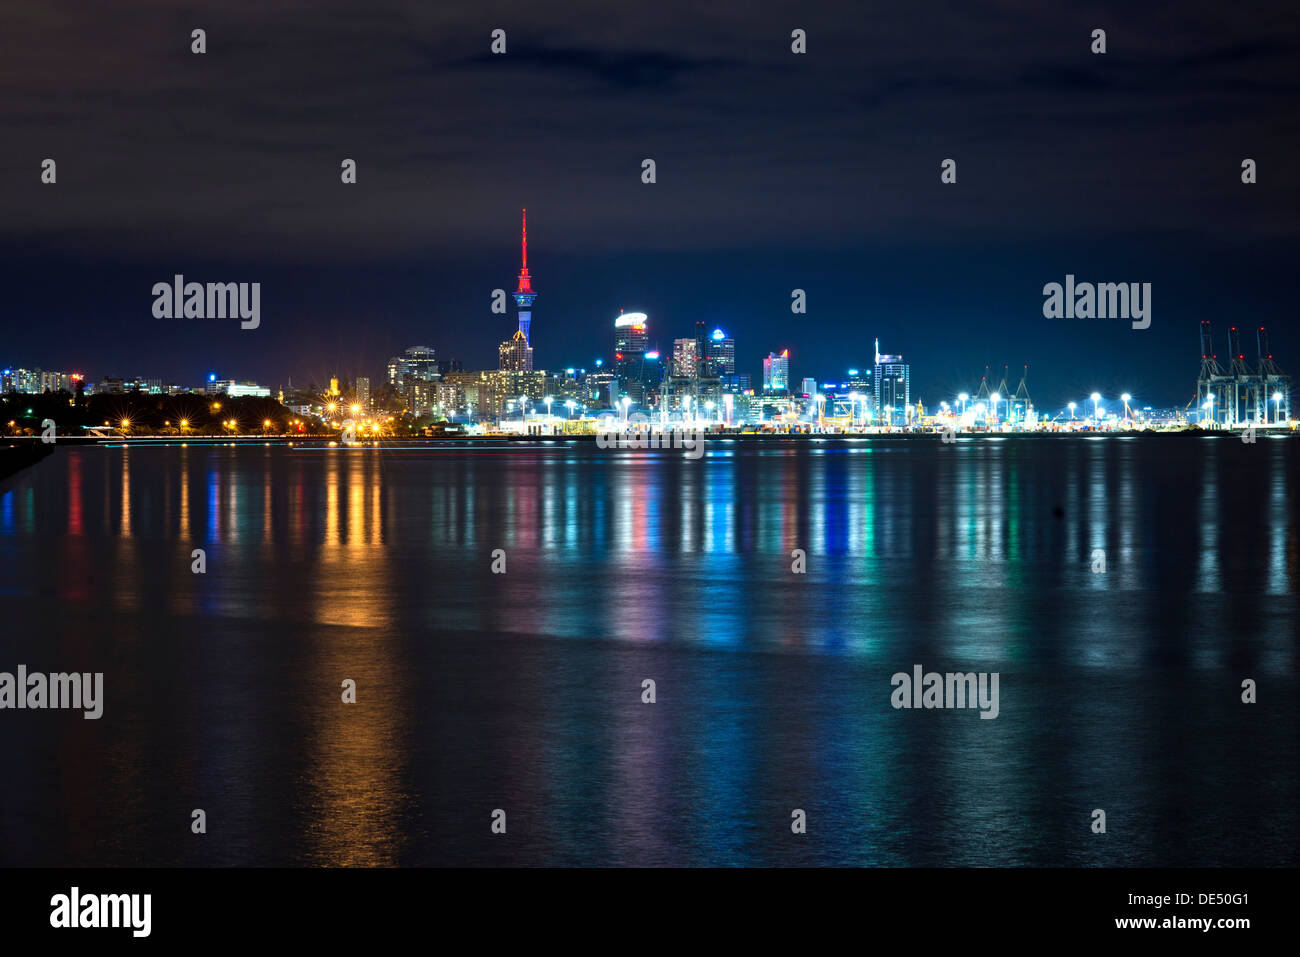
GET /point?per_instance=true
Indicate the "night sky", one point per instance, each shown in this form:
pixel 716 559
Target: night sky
pixel 775 171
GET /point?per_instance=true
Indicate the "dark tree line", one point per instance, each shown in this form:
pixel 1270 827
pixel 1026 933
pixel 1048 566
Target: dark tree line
pixel 146 413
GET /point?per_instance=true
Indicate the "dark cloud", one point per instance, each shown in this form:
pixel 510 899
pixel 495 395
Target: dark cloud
pixel 621 70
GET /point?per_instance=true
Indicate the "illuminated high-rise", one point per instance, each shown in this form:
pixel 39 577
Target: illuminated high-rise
pixel 515 354
pixel 637 370
pixel 893 388
pixel 685 361
pixel 776 372
pixel 630 333
pixel 721 353
pixel 421 364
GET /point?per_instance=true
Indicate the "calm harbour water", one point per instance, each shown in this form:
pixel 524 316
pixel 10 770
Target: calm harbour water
pixel 522 691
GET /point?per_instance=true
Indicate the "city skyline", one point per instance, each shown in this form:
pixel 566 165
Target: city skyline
pixel 517 353
pixel 822 178
pixel 508 358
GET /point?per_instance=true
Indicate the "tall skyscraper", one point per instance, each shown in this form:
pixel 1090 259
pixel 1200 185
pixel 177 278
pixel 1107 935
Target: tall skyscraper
pixel 701 350
pixel 397 371
pixel 893 388
pixel 421 364
pixel 776 372
pixel 524 295
pixel 637 375
pixel 685 361
pixel 416 365
pixel 363 392
pixel 722 353
pixel 515 354
pixel 630 333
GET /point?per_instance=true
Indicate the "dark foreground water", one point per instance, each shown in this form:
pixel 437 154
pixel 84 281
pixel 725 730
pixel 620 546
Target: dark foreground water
pixel 522 691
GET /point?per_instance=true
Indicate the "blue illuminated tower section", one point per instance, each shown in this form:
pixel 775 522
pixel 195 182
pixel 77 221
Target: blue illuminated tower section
pixel 524 295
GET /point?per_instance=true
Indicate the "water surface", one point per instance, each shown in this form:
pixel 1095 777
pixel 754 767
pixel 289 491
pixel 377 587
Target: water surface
pixel 522 691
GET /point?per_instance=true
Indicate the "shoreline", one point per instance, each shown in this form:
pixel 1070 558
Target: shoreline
pixel 20 448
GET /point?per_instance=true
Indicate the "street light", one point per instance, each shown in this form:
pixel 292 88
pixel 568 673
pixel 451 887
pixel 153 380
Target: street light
pixel 570 404
pixel 1096 397
pixel 1209 404
pixel 1125 397
pixel 962 397
pixel 995 399
pixel 1277 407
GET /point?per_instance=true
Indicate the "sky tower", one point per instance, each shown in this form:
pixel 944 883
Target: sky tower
pixel 524 295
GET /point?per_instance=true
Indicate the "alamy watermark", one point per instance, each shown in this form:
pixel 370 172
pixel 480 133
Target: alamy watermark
pixel 58 690
pixel 949 690
pixel 1104 300
pixel 638 432
pixel 75 909
pixel 179 299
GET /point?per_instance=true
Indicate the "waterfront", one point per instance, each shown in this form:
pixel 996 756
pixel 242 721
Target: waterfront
pixel 522 691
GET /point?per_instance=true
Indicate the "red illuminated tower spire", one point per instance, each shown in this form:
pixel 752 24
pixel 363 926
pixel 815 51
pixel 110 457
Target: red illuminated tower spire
pixel 524 295
pixel 525 281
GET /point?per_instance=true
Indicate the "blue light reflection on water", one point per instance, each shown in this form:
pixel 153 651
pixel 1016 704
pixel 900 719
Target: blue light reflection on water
pixel 524 688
